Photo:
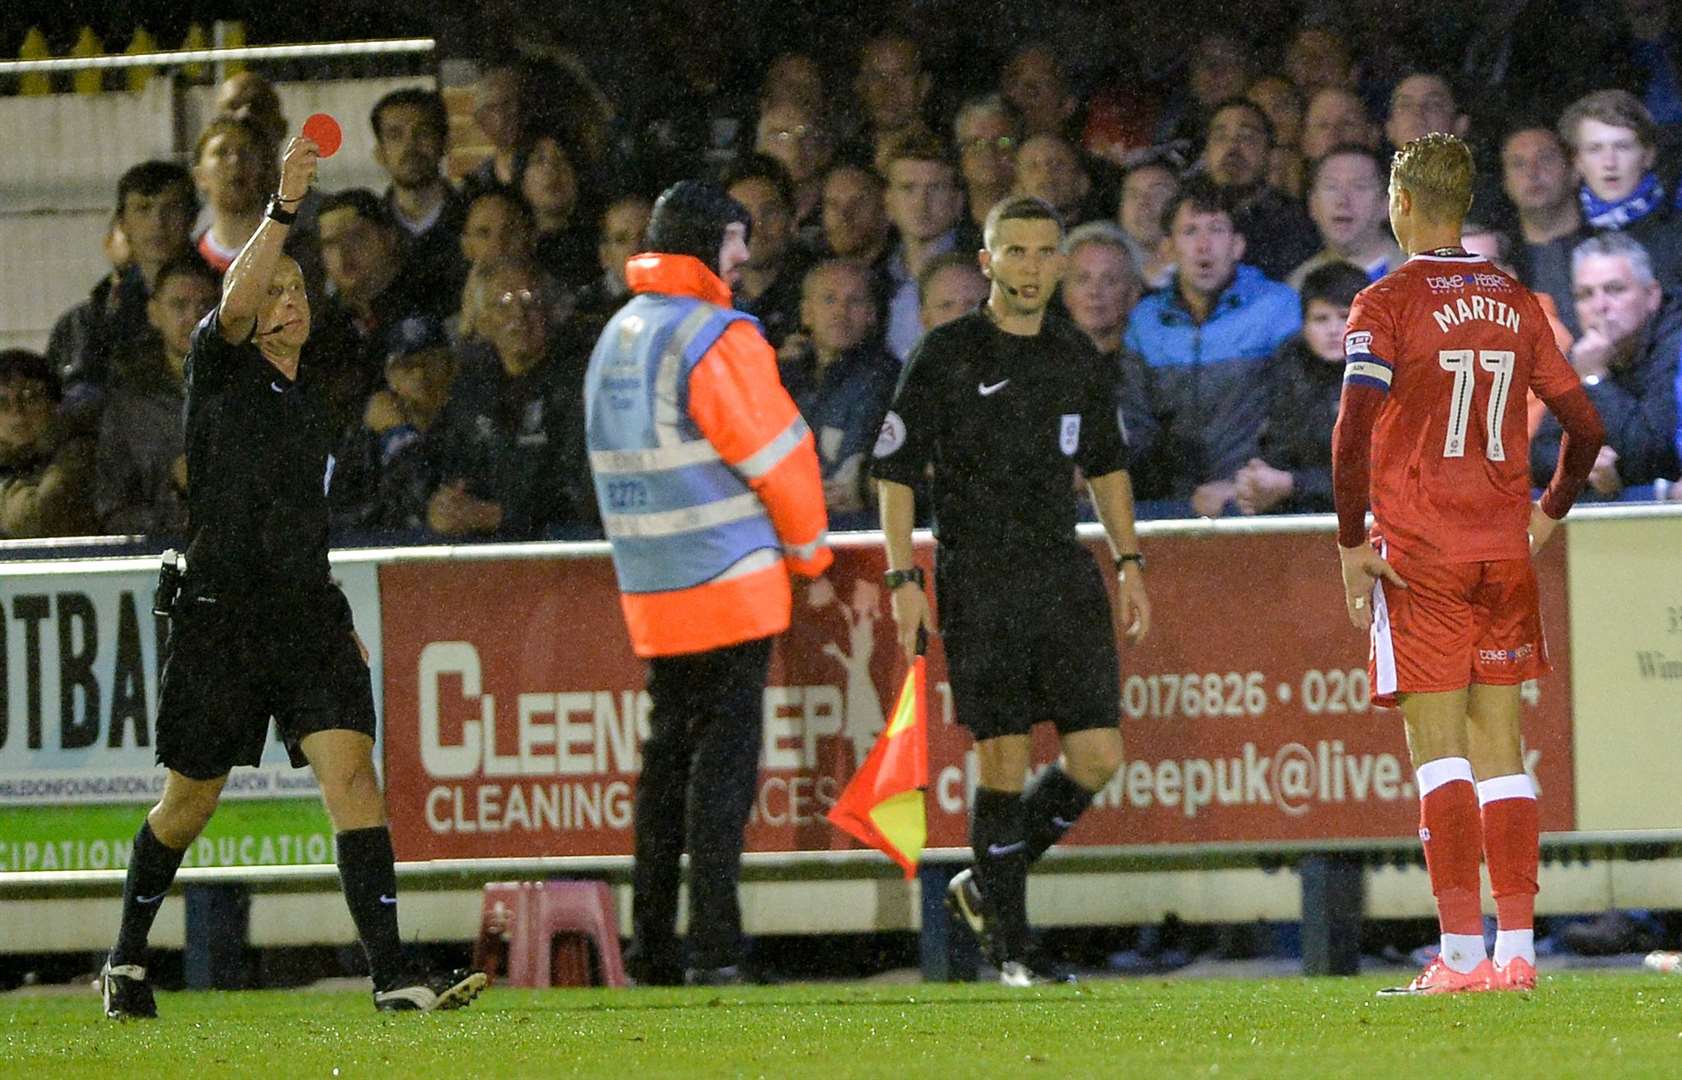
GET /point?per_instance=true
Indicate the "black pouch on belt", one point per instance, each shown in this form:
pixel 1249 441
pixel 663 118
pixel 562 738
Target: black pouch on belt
pixel 169 584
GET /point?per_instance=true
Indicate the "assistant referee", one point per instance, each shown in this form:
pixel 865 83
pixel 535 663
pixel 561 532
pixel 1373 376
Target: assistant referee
pixel 1001 407
pixel 257 628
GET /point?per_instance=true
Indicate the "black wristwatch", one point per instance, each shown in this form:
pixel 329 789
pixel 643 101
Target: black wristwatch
pixel 1131 557
pixel 277 211
pixel 893 579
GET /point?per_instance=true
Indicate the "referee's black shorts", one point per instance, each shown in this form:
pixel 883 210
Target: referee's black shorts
pixel 232 666
pixel 1029 640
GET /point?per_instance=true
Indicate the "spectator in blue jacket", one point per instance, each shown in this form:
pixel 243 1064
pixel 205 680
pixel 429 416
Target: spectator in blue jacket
pixel 1205 340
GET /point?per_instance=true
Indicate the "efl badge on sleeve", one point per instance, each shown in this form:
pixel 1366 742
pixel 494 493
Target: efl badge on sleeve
pixel 1069 437
pixel 891 436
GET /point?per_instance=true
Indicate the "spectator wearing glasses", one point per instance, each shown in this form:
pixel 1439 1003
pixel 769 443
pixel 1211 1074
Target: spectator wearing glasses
pixel 988 132
pixel 510 460
pixel 46 474
pixel 794 135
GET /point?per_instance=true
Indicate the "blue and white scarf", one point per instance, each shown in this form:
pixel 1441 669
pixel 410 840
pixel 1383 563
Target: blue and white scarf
pixel 1647 197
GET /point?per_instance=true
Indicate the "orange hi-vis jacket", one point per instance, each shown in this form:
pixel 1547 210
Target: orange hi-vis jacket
pixel 706 474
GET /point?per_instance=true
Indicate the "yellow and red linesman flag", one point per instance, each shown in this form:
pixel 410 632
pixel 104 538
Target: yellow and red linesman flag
pixel 883 802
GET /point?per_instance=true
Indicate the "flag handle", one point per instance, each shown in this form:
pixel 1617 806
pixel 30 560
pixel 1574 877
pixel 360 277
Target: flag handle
pixel 922 640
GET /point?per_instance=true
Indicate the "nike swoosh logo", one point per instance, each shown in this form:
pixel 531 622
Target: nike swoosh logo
pixel 150 899
pixel 1060 823
pixel 999 851
pixel 387 899
pixel 989 389
pixel 277 388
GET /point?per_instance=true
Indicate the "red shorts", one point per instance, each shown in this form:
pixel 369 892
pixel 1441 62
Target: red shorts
pixel 1454 625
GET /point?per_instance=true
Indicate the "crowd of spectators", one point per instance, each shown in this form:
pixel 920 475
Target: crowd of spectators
pixel 1223 213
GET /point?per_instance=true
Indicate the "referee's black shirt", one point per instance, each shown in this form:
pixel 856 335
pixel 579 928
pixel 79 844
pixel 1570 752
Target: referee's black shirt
pixel 1004 419
pixel 258 454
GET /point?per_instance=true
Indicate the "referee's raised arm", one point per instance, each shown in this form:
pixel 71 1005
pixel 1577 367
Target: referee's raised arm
pixel 246 285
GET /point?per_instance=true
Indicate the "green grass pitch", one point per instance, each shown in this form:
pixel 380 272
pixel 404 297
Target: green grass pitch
pixel 1600 1025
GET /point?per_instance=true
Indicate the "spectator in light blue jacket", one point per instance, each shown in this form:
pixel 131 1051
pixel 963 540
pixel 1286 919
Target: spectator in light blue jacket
pixel 1205 340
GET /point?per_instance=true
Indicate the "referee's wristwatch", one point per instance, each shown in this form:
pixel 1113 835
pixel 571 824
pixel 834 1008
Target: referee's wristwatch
pixel 893 579
pixel 277 210
pixel 1131 557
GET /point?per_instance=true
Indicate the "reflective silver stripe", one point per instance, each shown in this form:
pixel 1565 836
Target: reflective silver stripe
pixel 689 519
pixel 678 456
pixel 752 563
pixel 666 414
pixel 767 457
pixel 807 551
pixel 1367 368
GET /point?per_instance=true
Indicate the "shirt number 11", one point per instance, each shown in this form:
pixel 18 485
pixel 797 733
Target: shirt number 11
pixel 1464 363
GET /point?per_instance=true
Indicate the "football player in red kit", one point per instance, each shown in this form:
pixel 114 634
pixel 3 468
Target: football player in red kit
pixel 1432 431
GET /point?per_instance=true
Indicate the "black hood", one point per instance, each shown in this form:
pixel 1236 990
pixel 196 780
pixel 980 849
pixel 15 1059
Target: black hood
pixel 690 218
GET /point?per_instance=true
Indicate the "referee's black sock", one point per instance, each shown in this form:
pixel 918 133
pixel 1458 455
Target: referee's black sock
pixel 151 869
pixel 1001 864
pixel 368 873
pixel 1050 807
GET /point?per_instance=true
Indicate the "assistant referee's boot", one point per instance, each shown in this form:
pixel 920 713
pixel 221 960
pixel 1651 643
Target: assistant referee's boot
pixel 126 992
pixel 422 991
pixel 1034 968
pixel 965 902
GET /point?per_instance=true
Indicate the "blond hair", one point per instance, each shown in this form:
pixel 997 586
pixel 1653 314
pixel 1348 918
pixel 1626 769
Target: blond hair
pixel 1437 171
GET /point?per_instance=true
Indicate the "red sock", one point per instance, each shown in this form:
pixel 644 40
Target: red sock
pixel 1510 845
pixel 1453 839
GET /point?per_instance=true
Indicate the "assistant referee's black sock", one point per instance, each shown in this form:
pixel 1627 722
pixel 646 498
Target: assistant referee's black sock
pixel 1001 864
pixel 151 869
pixel 368 874
pixel 1050 807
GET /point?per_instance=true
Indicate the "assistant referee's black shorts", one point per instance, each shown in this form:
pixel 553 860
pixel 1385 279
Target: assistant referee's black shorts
pixel 233 666
pixel 1029 640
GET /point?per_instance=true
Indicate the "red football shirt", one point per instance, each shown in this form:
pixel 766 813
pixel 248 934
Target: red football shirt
pixel 1455 343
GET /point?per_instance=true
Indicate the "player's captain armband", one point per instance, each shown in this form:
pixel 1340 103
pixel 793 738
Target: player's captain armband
pixel 1365 369
pixel 892 435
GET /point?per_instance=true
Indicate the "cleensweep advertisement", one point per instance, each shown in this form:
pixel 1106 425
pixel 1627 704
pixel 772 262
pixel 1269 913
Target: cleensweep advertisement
pixel 515 711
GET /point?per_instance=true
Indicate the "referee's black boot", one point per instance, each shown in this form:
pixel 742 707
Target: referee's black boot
pixel 127 994
pixel 421 991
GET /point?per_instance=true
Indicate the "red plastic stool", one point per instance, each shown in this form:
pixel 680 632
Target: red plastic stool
pixel 520 922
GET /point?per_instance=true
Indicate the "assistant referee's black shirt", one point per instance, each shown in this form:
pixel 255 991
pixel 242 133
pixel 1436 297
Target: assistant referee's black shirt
pixel 258 453
pixel 1004 419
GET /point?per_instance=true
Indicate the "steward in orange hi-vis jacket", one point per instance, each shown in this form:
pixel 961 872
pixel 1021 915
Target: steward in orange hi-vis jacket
pixel 710 495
